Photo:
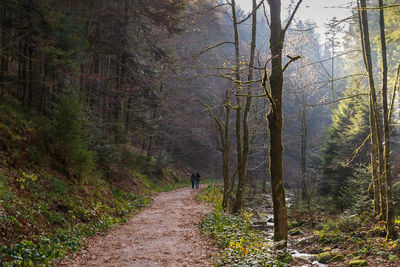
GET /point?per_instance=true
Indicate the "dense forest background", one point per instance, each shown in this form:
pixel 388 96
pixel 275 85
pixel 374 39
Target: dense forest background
pixel 118 94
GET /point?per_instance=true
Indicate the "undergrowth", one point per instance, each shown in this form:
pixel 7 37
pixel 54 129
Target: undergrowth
pixel 56 187
pixel 45 218
pixel 241 244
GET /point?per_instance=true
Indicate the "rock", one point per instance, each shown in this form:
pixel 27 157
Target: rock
pixel 260 225
pixel 306 240
pixel 295 231
pixel 315 250
pixel 313 257
pixel 286 258
pixel 304 257
pixel 337 258
pixel 324 257
pixel 383 254
pixel 326 249
pixel 328 257
pixel 280 245
pixel 295 224
pixel 354 263
pixel 270 220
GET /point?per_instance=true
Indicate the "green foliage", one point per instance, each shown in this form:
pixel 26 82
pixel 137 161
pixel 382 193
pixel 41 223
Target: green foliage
pixel 163 158
pixel 243 246
pixel 340 229
pixel 346 134
pixel 69 134
pixel 211 194
pixel 69 214
pixel 355 195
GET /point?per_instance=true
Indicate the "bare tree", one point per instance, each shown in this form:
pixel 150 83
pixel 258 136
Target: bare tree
pixel 275 116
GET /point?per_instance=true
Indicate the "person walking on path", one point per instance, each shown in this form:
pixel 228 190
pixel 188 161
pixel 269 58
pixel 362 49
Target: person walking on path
pixel 197 180
pixel 193 179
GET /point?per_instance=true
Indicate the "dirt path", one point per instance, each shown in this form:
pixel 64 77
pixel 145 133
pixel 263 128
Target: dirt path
pixel 165 234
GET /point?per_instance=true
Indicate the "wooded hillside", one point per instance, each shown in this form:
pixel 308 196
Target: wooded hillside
pixel 104 102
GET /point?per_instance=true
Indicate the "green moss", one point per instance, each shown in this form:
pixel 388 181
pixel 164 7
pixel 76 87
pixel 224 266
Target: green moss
pixel 338 258
pixel 355 263
pixel 327 257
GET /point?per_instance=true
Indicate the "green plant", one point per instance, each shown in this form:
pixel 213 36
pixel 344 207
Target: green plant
pixel 69 131
pixel 211 194
pixel 242 245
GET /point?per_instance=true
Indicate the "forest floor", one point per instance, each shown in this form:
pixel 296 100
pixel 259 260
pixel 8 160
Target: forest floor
pixel 165 234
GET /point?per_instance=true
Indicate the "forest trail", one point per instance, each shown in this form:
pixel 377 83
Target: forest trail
pixel 165 234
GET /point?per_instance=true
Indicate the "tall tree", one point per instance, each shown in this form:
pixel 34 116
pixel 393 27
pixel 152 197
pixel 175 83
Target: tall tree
pixel 380 134
pixel 243 169
pixel 275 116
pixel 390 231
pixel 375 121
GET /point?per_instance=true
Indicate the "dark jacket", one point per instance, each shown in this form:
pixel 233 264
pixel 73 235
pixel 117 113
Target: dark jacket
pixel 197 176
pixel 193 177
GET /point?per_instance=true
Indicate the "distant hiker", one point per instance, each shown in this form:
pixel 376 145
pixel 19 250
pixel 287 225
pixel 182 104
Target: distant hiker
pixel 193 179
pixel 197 180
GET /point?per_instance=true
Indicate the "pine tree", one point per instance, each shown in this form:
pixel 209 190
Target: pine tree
pixel 345 145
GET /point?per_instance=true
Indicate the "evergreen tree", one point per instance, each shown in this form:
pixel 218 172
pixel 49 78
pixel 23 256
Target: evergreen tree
pixel 345 146
pixel 70 138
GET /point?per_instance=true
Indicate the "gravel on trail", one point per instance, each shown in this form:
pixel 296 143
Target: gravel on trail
pixel 164 234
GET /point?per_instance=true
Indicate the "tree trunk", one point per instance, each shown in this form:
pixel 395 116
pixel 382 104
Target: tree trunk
pixel 374 165
pixel 376 133
pixel 275 122
pixel 30 88
pixel 390 231
pixel 303 120
pixel 4 54
pixel 242 171
pixel 226 144
pixel 374 146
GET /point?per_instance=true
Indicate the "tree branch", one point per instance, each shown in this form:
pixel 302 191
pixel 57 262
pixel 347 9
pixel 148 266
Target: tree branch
pixel 234 107
pixel 292 59
pixel 217 121
pixel 212 47
pixel 267 94
pixel 355 152
pixel 292 16
pixel 265 15
pixel 254 10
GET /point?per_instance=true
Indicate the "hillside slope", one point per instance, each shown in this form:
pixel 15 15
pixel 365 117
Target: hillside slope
pixel 45 213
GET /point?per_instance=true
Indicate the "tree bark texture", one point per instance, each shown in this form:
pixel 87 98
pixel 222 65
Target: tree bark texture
pixel 246 132
pixel 389 224
pixel 275 122
pixel 376 133
pixel 303 120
